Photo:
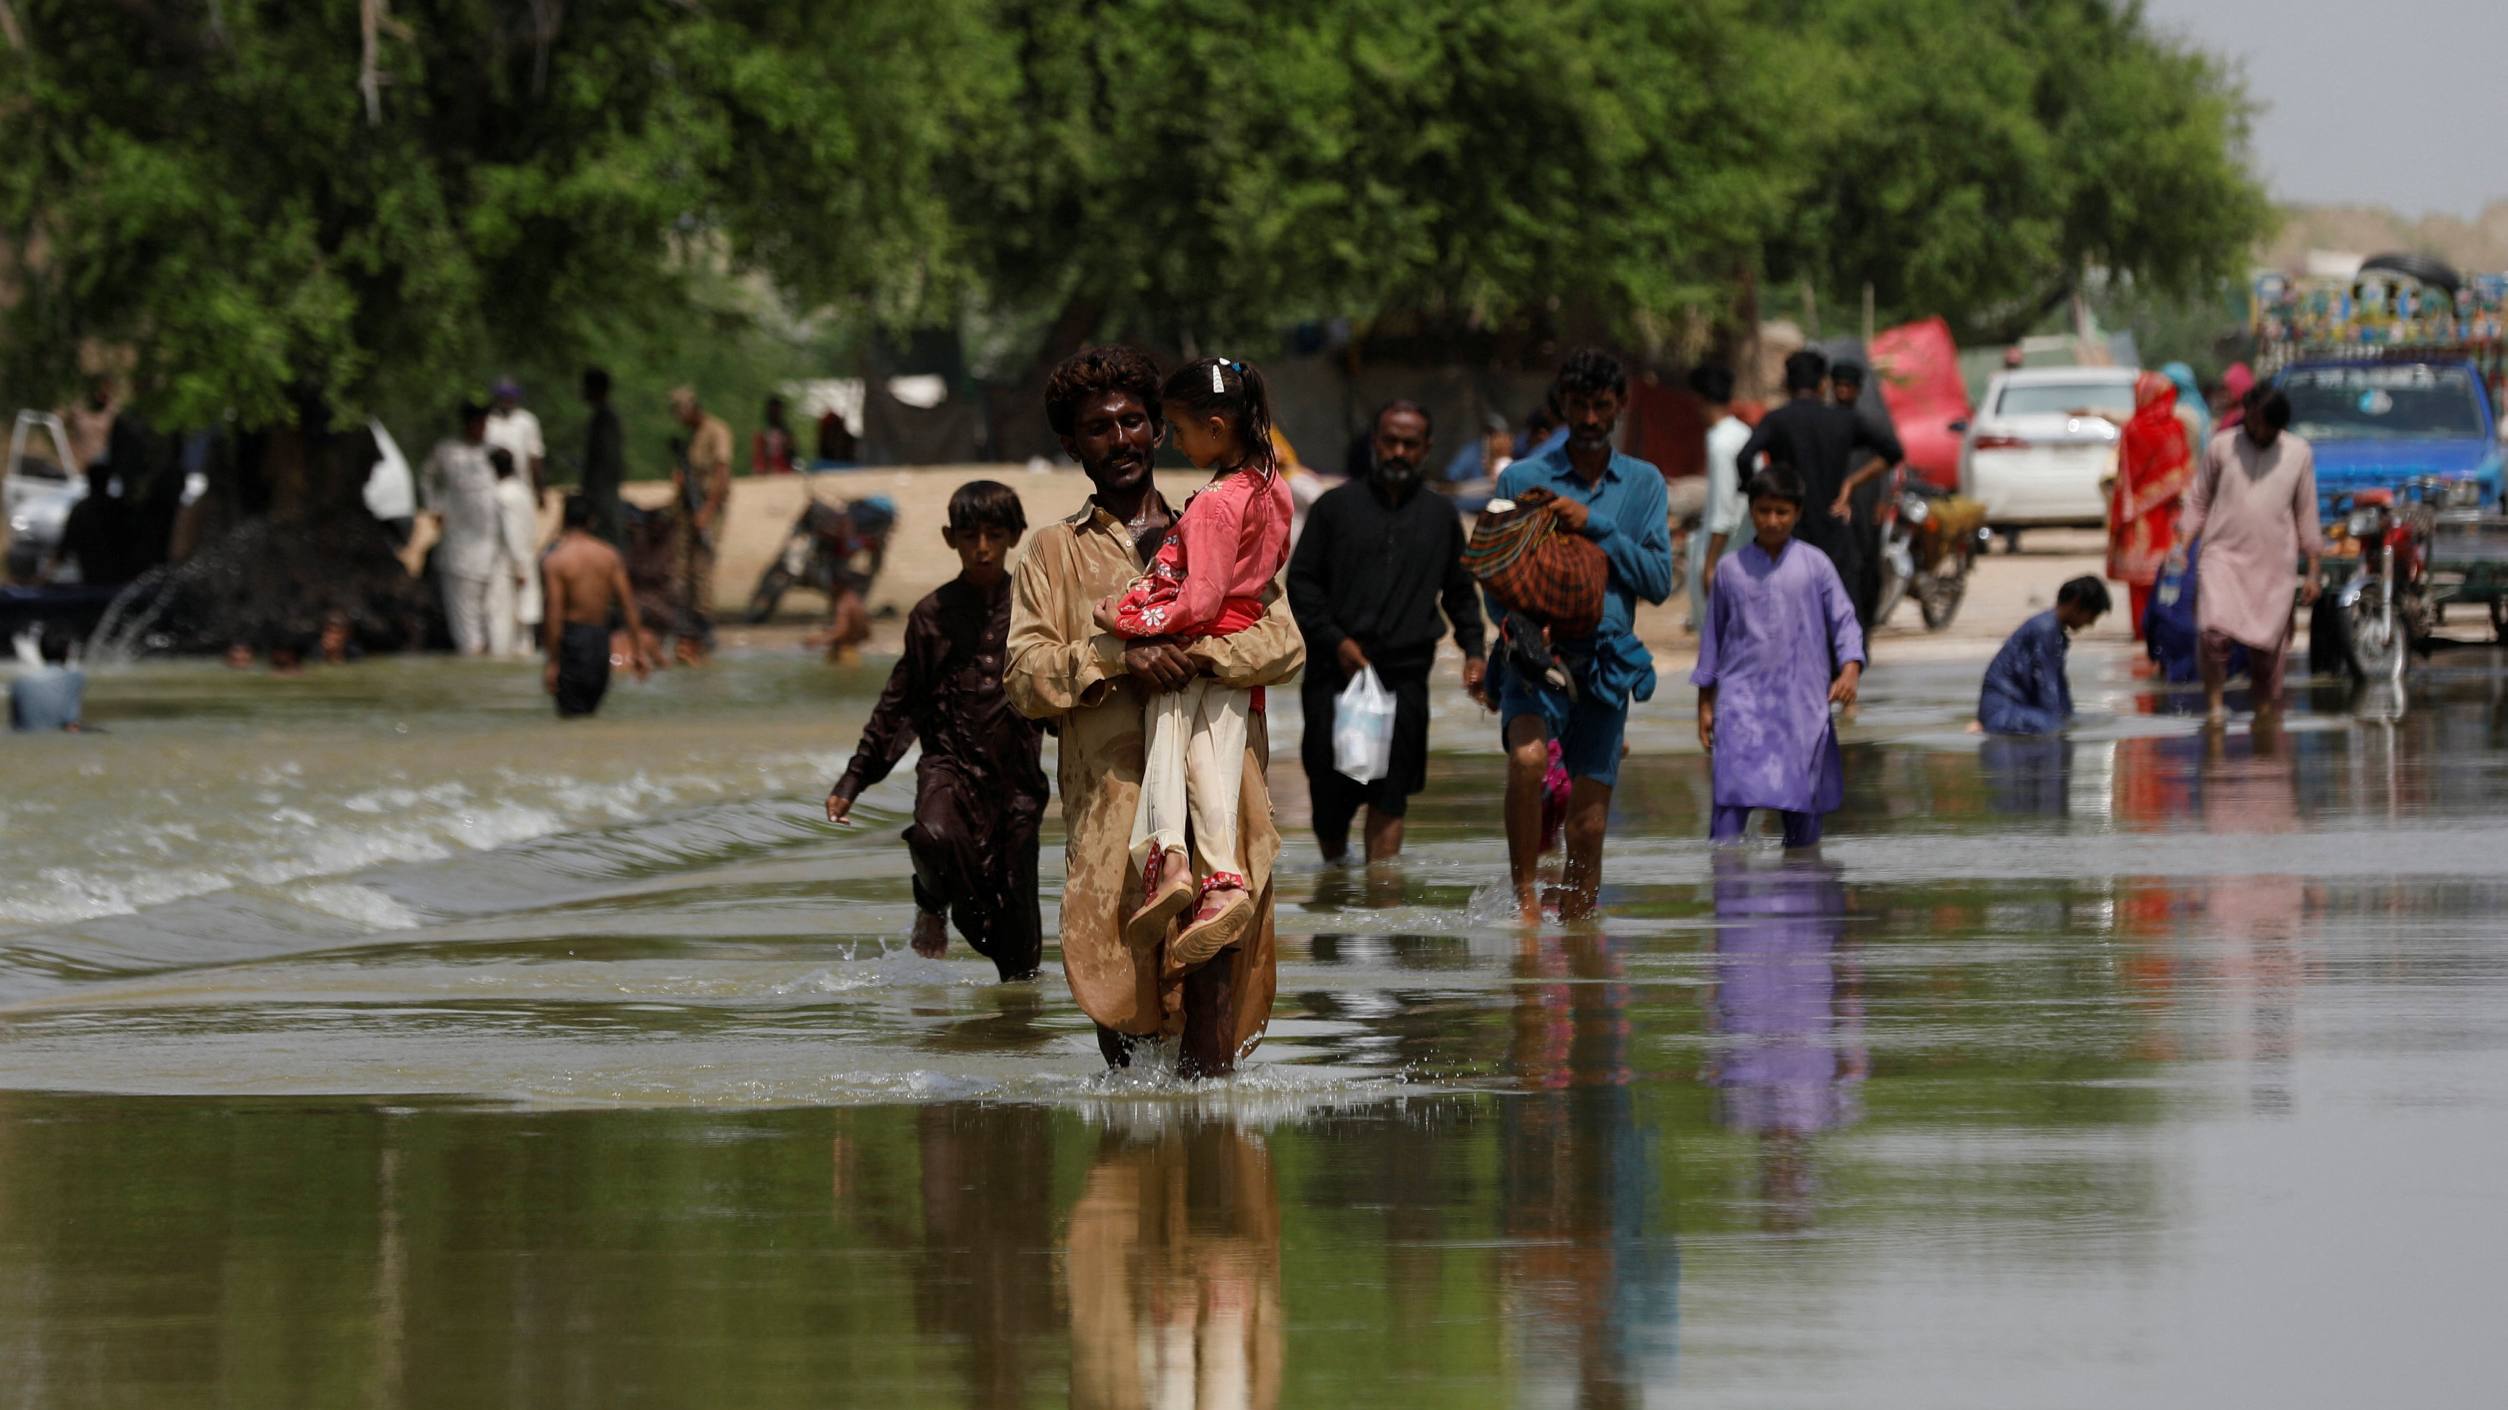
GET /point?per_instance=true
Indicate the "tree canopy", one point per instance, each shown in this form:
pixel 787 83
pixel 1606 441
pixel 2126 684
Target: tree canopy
pixel 299 209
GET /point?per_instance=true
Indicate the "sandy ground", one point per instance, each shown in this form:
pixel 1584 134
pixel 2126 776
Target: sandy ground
pixel 2005 590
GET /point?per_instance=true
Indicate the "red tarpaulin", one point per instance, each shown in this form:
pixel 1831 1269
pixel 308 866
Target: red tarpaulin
pixel 1918 367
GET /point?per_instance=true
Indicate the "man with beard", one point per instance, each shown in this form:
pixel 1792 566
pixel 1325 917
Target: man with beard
pixel 1618 501
pixel 1818 438
pixel 1365 584
pixel 1103 404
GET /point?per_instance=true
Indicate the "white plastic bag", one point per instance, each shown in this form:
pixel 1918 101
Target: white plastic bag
pixel 1362 729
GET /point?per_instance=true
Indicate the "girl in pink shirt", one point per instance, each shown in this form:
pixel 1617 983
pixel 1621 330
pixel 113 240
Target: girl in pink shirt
pixel 1207 580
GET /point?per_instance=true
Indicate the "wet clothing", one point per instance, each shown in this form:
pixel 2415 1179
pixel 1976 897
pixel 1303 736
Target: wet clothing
pixel 1802 829
pixel 980 787
pixel 49 698
pixel 604 470
pixel 583 668
pixel 1778 632
pixel 707 478
pixel 1209 577
pixel 2025 690
pixel 2154 464
pixel 1336 797
pixel 460 486
pixel 1819 439
pixel 1063 668
pixel 1377 572
pixel 2256 511
pixel 1627 516
pixel 2216 657
pixel 516 610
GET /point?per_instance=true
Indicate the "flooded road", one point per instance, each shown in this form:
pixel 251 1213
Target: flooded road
pixel 372 1040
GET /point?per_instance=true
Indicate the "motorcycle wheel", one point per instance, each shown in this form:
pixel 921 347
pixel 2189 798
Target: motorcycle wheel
pixel 1893 591
pixel 769 594
pixel 1939 595
pixel 2375 639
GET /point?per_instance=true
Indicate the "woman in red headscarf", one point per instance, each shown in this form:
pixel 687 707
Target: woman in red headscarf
pixel 2154 464
pixel 2235 384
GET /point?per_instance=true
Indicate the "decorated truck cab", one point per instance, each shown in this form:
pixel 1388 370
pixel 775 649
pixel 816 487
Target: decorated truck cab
pixel 2395 378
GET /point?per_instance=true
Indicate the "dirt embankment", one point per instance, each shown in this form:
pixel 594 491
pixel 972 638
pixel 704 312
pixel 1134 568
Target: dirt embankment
pixel 2004 591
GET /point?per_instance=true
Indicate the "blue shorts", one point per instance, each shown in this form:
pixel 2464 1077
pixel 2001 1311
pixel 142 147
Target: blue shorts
pixel 1588 731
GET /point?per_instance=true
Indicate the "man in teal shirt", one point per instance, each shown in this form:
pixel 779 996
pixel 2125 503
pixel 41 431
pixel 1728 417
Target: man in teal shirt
pixel 1617 501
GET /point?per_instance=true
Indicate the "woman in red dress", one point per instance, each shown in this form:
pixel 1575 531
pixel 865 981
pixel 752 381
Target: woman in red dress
pixel 2154 464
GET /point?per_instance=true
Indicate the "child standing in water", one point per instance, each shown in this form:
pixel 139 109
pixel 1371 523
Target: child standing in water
pixel 1778 646
pixel 1206 580
pixel 980 788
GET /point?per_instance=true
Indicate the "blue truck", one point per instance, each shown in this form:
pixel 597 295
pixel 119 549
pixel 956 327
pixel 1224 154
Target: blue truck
pixel 2403 420
pixel 2409 475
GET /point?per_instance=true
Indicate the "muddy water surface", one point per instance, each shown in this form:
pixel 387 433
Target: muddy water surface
pixel 370 1039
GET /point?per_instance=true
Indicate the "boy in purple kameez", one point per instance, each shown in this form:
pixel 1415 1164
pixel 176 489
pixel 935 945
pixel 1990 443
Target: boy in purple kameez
pixel 1779 646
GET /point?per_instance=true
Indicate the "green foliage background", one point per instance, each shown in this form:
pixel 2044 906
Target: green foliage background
pixel 536 186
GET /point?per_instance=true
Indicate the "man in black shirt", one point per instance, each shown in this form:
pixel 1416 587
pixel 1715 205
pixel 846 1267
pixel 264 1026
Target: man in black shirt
pixel 1846 388
pixel 98 533
pixel 1364 584
pixel 1817 438
pixel 604 458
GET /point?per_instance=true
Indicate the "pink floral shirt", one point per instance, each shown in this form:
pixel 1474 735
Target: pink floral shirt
pixel 1208 577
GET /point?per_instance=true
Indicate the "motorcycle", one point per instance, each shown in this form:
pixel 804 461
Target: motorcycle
pixel 2384 609
pixel 1929 540
pixel 834 547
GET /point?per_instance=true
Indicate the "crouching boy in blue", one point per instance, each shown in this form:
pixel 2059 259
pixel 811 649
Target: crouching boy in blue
pixel 2025 689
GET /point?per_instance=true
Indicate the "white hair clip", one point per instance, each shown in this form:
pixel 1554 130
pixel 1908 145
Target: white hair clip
pixel 1217 387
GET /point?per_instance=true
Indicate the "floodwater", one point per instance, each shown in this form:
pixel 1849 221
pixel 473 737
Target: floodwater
pixel 371 1039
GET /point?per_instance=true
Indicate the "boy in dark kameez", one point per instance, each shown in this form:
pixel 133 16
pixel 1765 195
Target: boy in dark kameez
pixel 980 788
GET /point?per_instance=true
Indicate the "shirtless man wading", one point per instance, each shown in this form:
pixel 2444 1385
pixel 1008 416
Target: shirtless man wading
pixel 587 580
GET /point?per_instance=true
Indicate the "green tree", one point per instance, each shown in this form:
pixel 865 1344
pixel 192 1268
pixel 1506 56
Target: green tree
pixel 1194 173
pixel 1980 161
pixel 287 222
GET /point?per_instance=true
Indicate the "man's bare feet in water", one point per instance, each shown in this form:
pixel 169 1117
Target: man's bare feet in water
pixel 931 935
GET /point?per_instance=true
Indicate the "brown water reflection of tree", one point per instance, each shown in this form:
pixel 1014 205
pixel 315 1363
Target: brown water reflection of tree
pixel 1172 1262
pixel 1788 1011
pixel 1576 1174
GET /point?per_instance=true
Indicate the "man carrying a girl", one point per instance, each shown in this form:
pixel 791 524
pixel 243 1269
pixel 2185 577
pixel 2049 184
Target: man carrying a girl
pixel 1108 694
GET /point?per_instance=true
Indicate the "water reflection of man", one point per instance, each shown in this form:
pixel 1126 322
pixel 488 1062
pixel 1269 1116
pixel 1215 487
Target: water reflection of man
pixel 2028 775
pixel 2253 922
pixel 987 1228
pixel 1575 1173
pixel 1171 1264
pixel 1789 1010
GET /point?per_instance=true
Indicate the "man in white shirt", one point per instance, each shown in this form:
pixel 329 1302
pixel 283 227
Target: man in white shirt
pixel 515 430
pixel 1727 511
pixel 460 489
pixel 514 593
pixel 512 426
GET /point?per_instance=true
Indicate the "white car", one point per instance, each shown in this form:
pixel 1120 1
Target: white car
pixel 2040 445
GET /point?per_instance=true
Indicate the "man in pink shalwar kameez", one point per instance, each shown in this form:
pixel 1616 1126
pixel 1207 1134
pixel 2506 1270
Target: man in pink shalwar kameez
pixel 2254 505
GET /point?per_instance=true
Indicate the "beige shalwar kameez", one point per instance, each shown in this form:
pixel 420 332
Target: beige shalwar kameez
pixel 1062 668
